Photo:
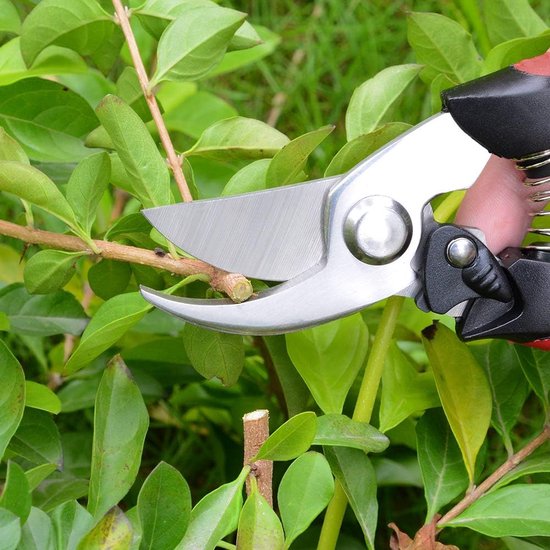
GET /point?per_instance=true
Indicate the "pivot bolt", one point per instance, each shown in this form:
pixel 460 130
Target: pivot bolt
pixel 461 252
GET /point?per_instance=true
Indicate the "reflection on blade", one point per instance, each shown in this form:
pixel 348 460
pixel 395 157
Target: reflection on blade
pixel 272 235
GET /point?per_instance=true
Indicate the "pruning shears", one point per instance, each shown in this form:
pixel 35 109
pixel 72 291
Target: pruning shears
pixel 342 243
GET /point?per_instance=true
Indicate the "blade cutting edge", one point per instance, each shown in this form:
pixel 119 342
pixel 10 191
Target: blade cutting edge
pixel 273 235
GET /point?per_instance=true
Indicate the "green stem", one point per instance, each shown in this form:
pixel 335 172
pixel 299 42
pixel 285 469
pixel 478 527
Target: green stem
pixel 448 206
pixel 470 9
pixel 362 413
pixel 228 545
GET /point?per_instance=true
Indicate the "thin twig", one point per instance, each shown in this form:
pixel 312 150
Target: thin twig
pixel 174 161
pixel 256 431
pixel 506 467
pixel 236 286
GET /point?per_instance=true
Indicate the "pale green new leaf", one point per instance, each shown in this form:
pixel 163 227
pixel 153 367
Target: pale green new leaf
pixel 507 19
pixel 16 495
pixel 443 45
pixel 70 523
pixel 48 120
pixel 82 26
pixel 253 177
pixel 404 390
pixel 517 511
pixel 86 186
pixel 238 138
pixel 214 354
pixel 215 516
pixel 148 173
pixel 35 187
pixel 188 48
pixel 328 358
pixel 443 471
pixel 361 147
pixel 50 270
pixel 107 326
pixel 373 101
pixel 288 164
pixel 12 395
pixel 353 470
pixel 10 149
pixel 120 424
pixel 39 396
pixel 290 440
pixel 37 533
pixel 114 530
pixel 304 492
pixel 9 18
pixel 259 526
pixel 10 530
pixel 338 430
pixel 163 506
pixel 467 406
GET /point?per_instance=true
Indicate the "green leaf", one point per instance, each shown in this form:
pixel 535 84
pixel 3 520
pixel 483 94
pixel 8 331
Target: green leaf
pixel 111 321
pixel 50 270
pixel 517 49
pixel 373 101
pixel 70 522
pixel 361 147
pixel 148 174
pixel 252 177
pixel 304 492
pixel 338 430
pixel 443 45
pixel 48 120
pixel 404 390
pixel 519 544
pixel 164 506
pixel 16 495
pixel 215 516
pixel 443 471
pixel 56 491
pixel 108 278
pixel 328 358
pixel 120 425
pixel 129 89
pixel 37 439
pixel 290 440
pixel 37 533
pixel 517 511
pixel 535 464
pixel 288 164
pixel 10 148
pixel 188 48
pixel 10 530
pixel 403 471
pixel 30 184
pixel 535 366
pixel 114 530
pixel 507 19
pixel 197 112
pixel 259 526
pixel 12 395
pixel 467 406
pixel 86 186
pixel 82 26
pixel 353 470
pixel 9 18
pixel 41 397
pixel 35 476
pixel 509 388
pixel 238 138
pixel 214 354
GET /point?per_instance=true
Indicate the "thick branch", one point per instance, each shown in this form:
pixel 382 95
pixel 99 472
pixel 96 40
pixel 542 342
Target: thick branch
pixel 506 467
pixel 173 160
pixel 237 287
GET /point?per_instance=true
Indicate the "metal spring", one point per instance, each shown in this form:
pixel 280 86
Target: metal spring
pixel 531 162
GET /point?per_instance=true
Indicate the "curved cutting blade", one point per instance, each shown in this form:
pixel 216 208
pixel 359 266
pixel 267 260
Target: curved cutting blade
pixel 273 235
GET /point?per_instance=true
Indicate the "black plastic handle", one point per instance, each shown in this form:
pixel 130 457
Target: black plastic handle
pixel 508 112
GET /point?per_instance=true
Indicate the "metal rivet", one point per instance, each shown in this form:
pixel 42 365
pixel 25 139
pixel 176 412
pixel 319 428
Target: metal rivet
pixel 461 252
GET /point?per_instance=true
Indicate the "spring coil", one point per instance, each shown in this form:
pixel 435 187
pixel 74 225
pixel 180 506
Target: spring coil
pixel 533 163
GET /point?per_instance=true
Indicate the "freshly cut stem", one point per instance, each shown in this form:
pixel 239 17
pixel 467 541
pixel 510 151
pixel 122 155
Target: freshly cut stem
pixel 362 413
pixel 174 161
pixel 502 470
pixel 237 287
pixel 256 431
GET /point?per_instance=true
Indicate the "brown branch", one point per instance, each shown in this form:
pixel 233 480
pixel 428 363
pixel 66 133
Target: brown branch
pixel 256 431
pixel 174 162
pixel 237 287
pixel 506 467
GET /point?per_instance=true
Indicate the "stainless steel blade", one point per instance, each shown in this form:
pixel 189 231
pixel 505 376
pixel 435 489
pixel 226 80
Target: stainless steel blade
pixel 273 235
